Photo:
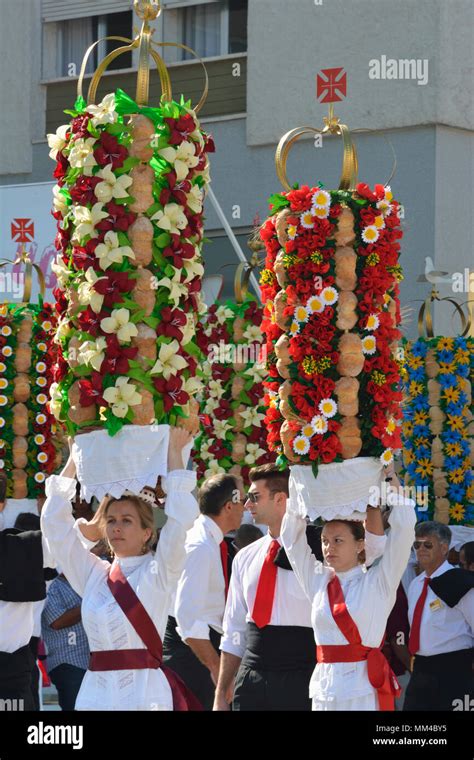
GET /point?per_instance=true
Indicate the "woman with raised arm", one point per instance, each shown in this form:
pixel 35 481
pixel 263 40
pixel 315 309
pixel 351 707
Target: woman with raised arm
pixel 125 605
pixel 350 605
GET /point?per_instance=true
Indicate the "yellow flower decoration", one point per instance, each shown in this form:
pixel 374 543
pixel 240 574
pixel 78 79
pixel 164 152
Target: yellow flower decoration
pixel 457 512
pixel 425 468
pixel 415 362
pixel 407 428
pixel 455 422
pixel 457 476
pixel 420 417
pixel 453 449
pixel 445 344
pixel 451 394
pixel 415 389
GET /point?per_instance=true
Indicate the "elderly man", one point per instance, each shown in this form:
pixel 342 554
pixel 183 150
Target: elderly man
pixel 441 614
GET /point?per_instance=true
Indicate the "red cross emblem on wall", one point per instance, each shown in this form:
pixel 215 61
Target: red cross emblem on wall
pixel 330 83
pixel 23 230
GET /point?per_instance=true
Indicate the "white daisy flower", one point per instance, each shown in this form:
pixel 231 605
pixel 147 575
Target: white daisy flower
pixel 370 234
pixel 315 305
pixel 321 199
pixel 328 407
pixel 306 220
pixel 292 231
pixel 329 296
pixel 320 424
pixel 369 345
pixel 301 445
pixel 373 322
pixel 387 457
pixel 301 314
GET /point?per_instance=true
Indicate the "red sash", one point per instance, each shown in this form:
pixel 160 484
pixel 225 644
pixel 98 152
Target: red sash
pixel 152 656
pixel 381 676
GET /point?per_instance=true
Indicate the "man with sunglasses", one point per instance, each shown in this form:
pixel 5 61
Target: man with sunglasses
pixel 441 614
pixel 268 643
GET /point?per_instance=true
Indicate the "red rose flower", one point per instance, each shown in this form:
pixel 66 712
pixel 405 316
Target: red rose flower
pixel 172 390
pixel 173 319
pixel 79 125
pixel 179 251
pixel 117 357
pixel 180 129
pixel 62 167
pixel 110 151
pixel 118 218
pixel 91 390
pixel 83 191
pixel 112 285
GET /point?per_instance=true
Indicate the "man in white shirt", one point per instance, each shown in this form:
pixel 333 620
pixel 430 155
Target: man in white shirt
pixel 23 555
pixel 202 588
pixel 441 614
pixel 268 643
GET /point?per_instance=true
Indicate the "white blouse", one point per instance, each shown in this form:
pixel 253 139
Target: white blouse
pixel 152 576
pixel 369 594
pixel 290 606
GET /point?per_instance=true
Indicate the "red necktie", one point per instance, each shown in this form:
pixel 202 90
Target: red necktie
pixel 225 566
pixel 263 605
pixel 414 640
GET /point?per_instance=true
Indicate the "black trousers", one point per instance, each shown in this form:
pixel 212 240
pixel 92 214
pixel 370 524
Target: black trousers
pixel 15 679
pixel 276 669
pixel 34 642
pixel 441 682
pixel 181 658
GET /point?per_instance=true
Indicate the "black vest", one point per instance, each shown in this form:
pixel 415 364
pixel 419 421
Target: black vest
pixel 21 566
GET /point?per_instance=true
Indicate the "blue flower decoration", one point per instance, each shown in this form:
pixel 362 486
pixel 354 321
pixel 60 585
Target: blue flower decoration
pixel 456 492
pixel 452 463
pixel 421 403
pixel 451 436
pixel 445 356
pixel 420 348
pixel 448 380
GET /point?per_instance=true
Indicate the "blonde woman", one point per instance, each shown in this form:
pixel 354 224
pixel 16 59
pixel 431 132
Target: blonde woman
pixel 125 605
pixel 350 605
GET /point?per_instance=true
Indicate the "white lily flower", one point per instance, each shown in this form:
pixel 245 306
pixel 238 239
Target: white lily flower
pixel 204 450
pixel 122 396
pixel 252 417
pixel 172 219
pixel 193 385
pixel 189 329
pixel 112 186
pixel 59 201
pixel 223 313
pixel 86 293
pixel 169 362
pixel 92 353
pixel 105 112
pixel 254 452
pixel 215 389
pixel 55 400
pixel 61 271
pixel 111 252
pixel 119 323
pixel 256 373
pixel 63 329
pixel 210 406
pixel 85 220
pixel 182 158
pixel 201 304
pixel 221 427
pixel 193 268
pixel 253 334
pixel 82 155
pixel 176 288
pixel 195 199
pixel 213 469
pixel 57 141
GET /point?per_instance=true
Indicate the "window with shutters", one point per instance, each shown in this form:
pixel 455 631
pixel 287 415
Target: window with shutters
pixel 65 43
pixel 213 28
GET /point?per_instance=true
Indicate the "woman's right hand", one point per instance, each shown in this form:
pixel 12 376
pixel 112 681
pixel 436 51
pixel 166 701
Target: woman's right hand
pixel 179 438
pixel 93 529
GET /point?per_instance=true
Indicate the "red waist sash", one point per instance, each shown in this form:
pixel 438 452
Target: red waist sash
pixel 381 676
pixel 137 659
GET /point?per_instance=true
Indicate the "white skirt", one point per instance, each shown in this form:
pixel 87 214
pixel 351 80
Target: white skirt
pixel 369 702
